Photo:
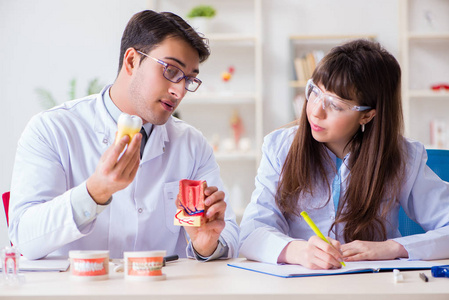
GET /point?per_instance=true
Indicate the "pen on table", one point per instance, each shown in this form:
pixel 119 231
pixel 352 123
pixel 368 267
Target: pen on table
pixel 170 258
pixel 316 230
pixel 423 277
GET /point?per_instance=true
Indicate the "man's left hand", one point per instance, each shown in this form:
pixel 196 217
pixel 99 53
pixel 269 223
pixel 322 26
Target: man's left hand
pixel 205 238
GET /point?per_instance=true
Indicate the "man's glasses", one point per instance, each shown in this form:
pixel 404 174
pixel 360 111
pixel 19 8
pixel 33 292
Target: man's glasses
pixel 330 103
pixel 175 74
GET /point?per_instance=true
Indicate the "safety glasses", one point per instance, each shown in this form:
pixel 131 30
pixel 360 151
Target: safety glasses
pixel 330 103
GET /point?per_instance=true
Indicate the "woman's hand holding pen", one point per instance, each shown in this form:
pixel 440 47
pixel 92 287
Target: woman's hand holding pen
pixel 365 250
pixel 313 254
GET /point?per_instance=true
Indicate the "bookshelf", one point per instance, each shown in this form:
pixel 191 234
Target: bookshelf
pixel 424 44
pixel 309 49
pixel 235 39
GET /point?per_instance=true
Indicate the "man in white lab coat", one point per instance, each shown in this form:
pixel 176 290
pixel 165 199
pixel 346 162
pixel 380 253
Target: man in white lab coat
pixel 74 189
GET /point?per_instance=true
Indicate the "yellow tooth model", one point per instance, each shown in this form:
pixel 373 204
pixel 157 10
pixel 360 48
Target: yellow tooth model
pixel 128 125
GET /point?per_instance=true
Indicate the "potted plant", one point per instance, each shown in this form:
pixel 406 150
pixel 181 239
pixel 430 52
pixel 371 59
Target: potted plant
pixel 200 16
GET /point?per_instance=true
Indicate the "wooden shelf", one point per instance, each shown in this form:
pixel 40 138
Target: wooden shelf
pixel 219 98
pixel 297 84
pixel 326 39
pixel 428 94
pixel 231 37
pixel 428 36
pixel 236 156
pixel 423 63
pixel 211 108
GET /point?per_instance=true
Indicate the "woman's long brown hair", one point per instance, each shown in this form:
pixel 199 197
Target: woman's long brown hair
pixel 363 71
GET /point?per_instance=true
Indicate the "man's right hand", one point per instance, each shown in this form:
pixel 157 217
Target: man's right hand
pixel 113 174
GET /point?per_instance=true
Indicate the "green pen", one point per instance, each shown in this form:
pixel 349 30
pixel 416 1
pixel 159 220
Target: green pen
pixel 316 230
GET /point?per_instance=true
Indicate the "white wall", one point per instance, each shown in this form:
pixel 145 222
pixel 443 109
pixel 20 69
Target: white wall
pixel 46 43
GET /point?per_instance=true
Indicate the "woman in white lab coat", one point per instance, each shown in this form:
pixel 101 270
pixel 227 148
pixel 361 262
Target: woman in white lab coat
pixel 353 118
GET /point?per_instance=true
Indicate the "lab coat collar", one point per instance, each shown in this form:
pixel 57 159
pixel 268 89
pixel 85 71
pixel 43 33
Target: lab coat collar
pixel 334 157
pixel 106 128
pixel 344 170
pixel 155 146
pixel 104 124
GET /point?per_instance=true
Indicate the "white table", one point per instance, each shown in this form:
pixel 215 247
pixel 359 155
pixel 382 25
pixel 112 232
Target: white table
pixel 188 279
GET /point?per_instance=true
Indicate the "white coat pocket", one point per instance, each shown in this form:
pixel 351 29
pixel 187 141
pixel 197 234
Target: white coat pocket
pixel 171 190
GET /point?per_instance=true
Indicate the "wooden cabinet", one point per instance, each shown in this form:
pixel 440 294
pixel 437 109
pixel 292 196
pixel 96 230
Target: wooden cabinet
pixel 424 44
pixel 235 41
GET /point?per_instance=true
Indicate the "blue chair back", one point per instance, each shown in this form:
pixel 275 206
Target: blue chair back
pixel 438 161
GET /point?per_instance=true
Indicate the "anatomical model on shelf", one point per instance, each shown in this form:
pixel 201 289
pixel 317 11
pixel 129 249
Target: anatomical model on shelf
pixel 237 142
pixel 237 127
pixel 226 77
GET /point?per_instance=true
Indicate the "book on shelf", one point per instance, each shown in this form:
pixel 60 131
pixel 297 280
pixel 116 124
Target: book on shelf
pixel 300 69
pixel 311 63
pixel 306 64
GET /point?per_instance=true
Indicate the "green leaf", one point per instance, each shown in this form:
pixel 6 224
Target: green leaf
pixel 202 11
pixel 94 87
pixel 45 98
pixel 72 89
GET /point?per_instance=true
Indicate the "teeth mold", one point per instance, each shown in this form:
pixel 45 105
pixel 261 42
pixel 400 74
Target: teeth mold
pixel 144 265
pixel 89 265
pixel 128 125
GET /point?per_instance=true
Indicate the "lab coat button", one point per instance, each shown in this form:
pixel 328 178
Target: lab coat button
pixel 87 214
pixel 140 210
pixel 105 141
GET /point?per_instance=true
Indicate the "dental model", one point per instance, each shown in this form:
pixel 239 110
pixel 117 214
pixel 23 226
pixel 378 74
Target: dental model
pixel 190 203
pixel 128 125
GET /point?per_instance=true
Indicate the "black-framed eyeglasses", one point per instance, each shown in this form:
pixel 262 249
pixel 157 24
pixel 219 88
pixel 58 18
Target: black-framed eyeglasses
pixel 175 74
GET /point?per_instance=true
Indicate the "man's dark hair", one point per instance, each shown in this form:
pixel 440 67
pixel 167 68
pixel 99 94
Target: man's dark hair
pixel 147 29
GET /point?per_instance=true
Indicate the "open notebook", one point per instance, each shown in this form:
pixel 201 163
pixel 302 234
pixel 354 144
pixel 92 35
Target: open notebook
pixel 43 265
pixel 351 267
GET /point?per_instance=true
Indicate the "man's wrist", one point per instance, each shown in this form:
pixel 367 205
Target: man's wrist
pixel 99 198
pixel 107 202
pixel 221 251
pixel 200 253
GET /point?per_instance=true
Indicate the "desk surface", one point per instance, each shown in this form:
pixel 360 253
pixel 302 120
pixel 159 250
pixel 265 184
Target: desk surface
pixel 188 279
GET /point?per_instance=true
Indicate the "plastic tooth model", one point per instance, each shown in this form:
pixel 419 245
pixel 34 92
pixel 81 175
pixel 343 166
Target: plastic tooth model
pixel 190 203
pixel 128 125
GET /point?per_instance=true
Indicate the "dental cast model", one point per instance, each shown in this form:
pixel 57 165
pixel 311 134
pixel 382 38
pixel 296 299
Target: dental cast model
pixel 128 125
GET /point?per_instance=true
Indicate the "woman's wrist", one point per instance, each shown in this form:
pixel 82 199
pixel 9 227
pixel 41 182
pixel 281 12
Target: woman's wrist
pixel 292 252
pixel 398 249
